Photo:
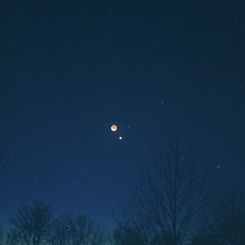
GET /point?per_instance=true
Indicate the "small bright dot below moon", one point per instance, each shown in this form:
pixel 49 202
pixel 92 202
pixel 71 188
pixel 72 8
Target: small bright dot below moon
pixel 120 137
pixel 114 128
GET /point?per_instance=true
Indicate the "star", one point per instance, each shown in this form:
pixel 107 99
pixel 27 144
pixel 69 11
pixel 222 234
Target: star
pixel 36 178
pixel 75 184
pixel 120 137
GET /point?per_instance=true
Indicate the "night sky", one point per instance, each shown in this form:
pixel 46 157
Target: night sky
pixel 69 71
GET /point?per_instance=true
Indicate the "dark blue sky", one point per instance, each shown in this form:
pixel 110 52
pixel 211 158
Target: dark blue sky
pixel 71 70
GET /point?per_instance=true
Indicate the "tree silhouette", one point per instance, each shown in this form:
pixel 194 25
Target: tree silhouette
pixel 59 232
pixel 67 230
pixel 226 222
pixel 230 217
pixel 29 227
pixel 170 200
pixel 2 242
pixel 124 235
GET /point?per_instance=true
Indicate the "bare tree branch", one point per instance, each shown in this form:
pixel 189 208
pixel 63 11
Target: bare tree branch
pixel 171 198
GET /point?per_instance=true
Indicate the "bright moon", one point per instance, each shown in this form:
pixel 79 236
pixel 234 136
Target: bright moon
pixel 114 128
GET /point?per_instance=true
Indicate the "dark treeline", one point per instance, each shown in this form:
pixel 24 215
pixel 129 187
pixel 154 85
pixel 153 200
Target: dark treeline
pixel 35 225
pixel 178 202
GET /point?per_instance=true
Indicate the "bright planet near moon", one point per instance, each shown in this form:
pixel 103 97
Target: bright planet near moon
pixel 114 128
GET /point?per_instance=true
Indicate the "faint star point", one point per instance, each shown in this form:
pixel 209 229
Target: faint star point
pixel 36 178
pixel 75 184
